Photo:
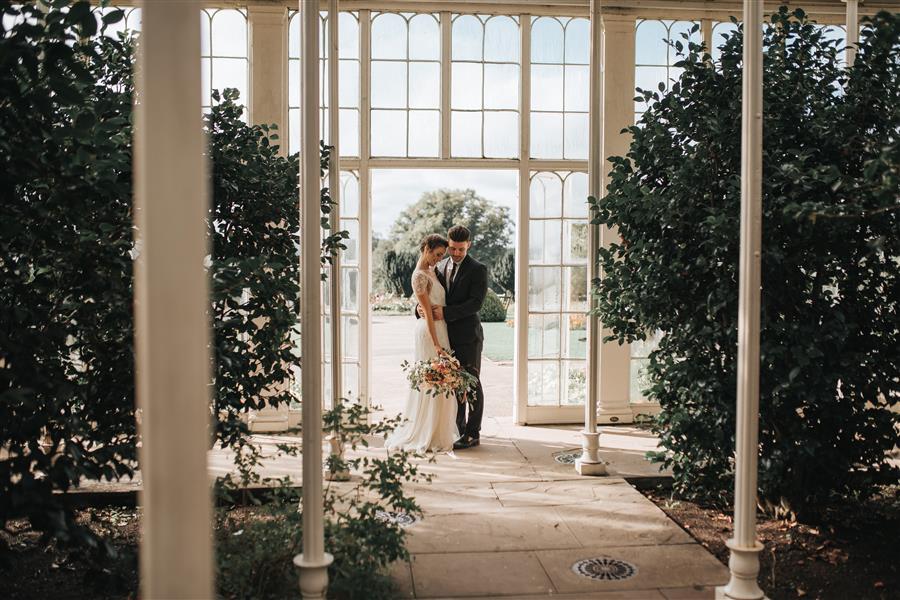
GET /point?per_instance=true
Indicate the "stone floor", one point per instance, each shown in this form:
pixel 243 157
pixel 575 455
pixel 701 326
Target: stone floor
pixel 511 518
pixel 506 519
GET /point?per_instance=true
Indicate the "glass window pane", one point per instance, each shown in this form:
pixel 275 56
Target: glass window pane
pixel 546 195
pixel 229 33
pixel 577 88
pixel 467 38
pixel 578 42
pixel 388 36
pixel 230 73
pixel 553 243
pixel 535 248
pixel 501 39
pixel 576 289
pixel 648 78
pixel 466 134
pixel 350 375
pixel 501 86
pixel 551 336
pixel 576 242
pixel 205 80
pixel 349 195
pixel 576 381
pixel 546 87
pixel 466 92
pixel 349 124
pixel 388 133
pixel 721 32
pixel 424 38
pixel 388 84
pixel 546 41
pixel 293 130
pixel 349 290
pixel 543 383
pixel 294 36
pixel 501 134
pixel 425 88
pixel 350 256
pixel 546 135
pixel 649 45
pixel 348 36
pixel 134 20
pixel 543 295
pixel 348 90
pixel 576 135
pixel 675 34
pixel 350 337
pixel 534 335
pixel 576 193
pixel 205 35
pixel 424 133
pixel 294 83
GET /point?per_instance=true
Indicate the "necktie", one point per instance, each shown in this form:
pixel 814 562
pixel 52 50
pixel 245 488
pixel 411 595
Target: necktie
pixel 452 274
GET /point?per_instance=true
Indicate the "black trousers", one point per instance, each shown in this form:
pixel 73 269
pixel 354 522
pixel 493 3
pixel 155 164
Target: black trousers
pixel 469 356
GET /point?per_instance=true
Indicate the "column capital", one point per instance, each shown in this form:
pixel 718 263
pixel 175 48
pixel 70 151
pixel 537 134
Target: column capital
pixel 617 22
pixel 263 12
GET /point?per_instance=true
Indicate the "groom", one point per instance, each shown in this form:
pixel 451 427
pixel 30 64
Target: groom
pixel 466 281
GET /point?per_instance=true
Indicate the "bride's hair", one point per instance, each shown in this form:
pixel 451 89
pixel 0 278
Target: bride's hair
pixel 432 241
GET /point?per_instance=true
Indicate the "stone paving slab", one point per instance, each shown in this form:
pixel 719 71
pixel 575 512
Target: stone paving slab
pixel 637 525
pixel 663 566
pixel 492 574
pixel 510 529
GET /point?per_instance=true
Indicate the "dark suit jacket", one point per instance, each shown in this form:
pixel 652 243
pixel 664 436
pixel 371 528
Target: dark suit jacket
pixel 464 300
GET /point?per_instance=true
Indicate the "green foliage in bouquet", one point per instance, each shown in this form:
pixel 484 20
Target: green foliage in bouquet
pixel 830 336
pixel 441 375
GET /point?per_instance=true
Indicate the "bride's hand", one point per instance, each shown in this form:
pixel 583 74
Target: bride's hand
pixel 440 350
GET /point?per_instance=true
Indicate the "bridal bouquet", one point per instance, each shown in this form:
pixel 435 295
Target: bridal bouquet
pixel 440 375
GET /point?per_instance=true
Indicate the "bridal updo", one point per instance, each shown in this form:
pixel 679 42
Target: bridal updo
pixel 432 241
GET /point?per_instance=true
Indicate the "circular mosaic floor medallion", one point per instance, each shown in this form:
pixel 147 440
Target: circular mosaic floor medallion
pixel 567 457
pixel 401 519
pixel 604 568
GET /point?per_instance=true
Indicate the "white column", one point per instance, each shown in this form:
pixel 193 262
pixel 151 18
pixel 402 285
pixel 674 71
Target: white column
pixel 365 211
pixel 520 383
pixel 313 562
pixel 589 463
pixel 618 113
pixel 268 44
pixel 335 442
pixel 852 30
pixel 334 188
pixel 744 561
pixel 268 39
pixel 171 304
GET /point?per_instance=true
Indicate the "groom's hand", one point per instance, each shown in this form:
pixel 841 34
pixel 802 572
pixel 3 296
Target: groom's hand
pixel 420 311
pixel 438 313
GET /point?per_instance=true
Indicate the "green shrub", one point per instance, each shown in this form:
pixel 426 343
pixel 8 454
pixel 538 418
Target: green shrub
pixel 830 338
pixel 255 548
pixel 493 310
pixel 66 320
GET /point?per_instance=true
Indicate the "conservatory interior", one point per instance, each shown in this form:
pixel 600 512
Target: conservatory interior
pixel 540 92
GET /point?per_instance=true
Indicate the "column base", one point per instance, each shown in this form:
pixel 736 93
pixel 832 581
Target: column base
pixel 313 576
pixel 589 464
pixel 615 416
pixel 744 566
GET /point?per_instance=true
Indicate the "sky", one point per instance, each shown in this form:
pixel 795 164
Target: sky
pixel 395 189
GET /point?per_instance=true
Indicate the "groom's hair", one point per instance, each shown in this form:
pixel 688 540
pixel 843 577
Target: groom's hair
pixel 458 233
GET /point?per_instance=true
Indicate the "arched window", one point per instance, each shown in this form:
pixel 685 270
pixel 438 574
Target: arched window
pixel 560 54
pixel 484 98
pixel 406 85
pixel 655 58
pixel 223 53
pixel 557 288
pixel 348 88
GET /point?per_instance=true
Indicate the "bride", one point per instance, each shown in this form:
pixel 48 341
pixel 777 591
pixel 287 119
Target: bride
pixel 430 420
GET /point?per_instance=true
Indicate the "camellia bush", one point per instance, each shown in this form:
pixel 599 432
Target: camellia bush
pixel 67 405
pixel 830 334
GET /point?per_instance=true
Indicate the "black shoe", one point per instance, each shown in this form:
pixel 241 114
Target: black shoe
pixel 473 442
pixel 461 444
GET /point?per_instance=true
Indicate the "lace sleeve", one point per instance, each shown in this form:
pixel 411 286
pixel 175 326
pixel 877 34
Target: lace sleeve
pixel 421 282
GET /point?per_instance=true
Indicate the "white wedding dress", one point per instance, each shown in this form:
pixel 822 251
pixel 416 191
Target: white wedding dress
pixel 430 420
